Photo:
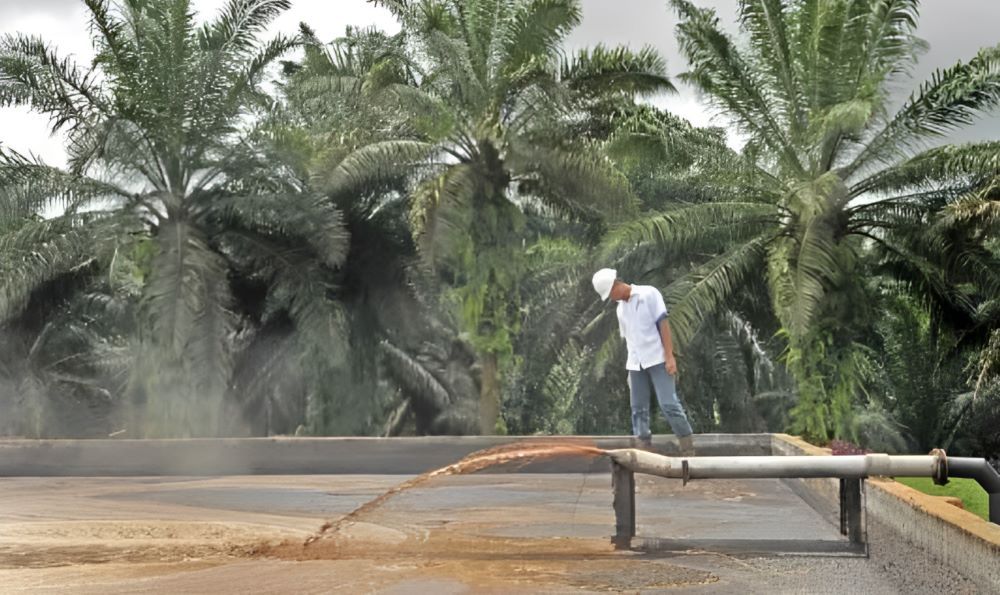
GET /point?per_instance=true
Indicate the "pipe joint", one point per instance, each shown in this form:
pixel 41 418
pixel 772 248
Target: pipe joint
pixel 939 472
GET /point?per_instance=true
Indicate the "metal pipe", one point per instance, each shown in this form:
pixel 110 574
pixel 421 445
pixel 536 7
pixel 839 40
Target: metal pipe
pixel 935 465
pixel 846 466
pixel 984 474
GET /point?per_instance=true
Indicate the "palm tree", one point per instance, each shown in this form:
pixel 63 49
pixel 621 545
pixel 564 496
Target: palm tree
pixel 976 217
pixel 160 161
pixel 406 370
pixel 828 172
pixel 489 118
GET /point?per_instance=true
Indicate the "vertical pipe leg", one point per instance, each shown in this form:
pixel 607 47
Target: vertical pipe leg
pixel 995 508
pixel 623 485
pixel 852 510
pixel 843 507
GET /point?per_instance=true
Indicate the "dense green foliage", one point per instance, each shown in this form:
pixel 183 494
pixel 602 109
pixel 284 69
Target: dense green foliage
pixel 397 235
pixel 835 195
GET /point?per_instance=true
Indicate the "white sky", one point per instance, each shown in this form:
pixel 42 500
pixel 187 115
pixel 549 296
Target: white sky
pixel 956 29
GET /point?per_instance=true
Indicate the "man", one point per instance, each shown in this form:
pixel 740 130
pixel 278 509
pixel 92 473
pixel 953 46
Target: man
pixel 642 321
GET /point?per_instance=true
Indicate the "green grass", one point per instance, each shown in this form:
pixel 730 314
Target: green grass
pixel 973 496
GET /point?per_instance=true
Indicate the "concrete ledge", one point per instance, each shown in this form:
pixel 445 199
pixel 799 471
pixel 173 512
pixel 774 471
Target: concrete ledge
pixel 956 537
pixel 309 456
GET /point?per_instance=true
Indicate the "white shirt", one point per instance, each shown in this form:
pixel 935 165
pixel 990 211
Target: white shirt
pixel 638 323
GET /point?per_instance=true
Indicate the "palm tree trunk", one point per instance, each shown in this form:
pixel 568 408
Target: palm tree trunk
pixel 489 394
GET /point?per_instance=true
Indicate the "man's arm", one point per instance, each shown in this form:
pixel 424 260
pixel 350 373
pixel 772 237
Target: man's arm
pixel 668 347
pixel 660 312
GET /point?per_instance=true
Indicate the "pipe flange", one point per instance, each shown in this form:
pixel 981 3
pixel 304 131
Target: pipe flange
pixel 685 472
pixel 939 473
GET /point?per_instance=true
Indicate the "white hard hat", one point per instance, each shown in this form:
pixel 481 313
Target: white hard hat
pixel 604 279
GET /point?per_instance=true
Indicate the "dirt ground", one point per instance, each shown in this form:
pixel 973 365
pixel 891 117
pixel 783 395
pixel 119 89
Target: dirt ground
pixel 526 533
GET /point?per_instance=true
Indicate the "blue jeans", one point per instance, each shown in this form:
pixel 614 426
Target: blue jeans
pixel 639 384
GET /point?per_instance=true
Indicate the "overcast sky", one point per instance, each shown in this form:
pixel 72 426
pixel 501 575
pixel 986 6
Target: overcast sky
pixel 955 29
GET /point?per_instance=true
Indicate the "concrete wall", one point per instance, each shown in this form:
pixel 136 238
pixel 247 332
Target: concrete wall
pixel 956 537
pixel 308 456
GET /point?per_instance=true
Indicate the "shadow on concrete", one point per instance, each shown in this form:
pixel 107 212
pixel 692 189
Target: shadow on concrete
pixel 784 547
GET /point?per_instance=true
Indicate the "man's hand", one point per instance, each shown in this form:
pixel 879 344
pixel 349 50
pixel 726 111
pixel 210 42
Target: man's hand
pixel 671 365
